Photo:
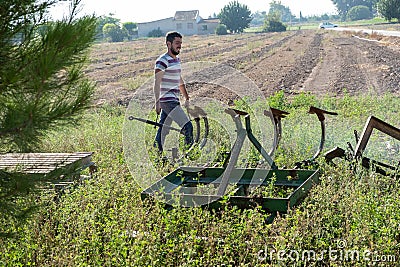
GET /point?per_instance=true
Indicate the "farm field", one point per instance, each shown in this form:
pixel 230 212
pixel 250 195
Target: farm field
pixel 350 218
pixel 316 61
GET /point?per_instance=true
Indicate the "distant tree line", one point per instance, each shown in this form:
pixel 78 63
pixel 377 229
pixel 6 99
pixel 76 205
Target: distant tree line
pixel 235 17
pixel 364 9
pixel 110 29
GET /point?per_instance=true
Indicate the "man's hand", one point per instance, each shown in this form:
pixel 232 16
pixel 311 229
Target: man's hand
pixel 158 108
pixel 187 103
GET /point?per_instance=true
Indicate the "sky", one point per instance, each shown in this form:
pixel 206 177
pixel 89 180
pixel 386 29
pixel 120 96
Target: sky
pixel 150 10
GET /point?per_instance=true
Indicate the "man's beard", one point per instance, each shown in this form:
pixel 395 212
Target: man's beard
pixel 174 52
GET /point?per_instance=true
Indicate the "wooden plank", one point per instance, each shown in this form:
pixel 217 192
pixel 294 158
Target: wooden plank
pixel 47 164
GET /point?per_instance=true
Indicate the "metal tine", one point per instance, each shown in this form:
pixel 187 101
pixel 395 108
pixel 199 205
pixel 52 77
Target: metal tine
pixel 362 140
pixel 321 117
pixel 351 149
pixel 197 113
pixel 356 135
pixel 276 116
pixel 382 126
pixel 242 133
pixel 156 124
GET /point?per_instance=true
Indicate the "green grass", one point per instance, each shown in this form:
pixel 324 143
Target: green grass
pixel 105 223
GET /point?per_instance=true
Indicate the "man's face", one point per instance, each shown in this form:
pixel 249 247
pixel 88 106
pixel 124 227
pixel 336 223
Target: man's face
pixel 175 46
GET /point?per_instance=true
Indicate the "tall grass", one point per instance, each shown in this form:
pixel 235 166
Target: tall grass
pixel 104 222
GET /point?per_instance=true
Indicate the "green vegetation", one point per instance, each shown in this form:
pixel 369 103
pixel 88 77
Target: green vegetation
pixel 155 33
pixel 390 9
pixel 274 24
pixel 279 11
pixel 112 33
pixel 350 13
pixel 368 23
pixel 364 22
pixel 235 16
pixel 110 29
pixel 221 30
pixel 359 13
pixel 344 6
pixel 104 222
pixel 42 85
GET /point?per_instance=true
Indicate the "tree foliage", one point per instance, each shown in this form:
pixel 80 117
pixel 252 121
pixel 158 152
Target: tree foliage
pixel 131 29
pixel 276 7
pixel 235 16
pixel 221 30
pixel 344 6
pixel 42 85
pixel 258 18
pixel 110 29
pixel 155 33
pixel 273 23
pixel 359 13
pixel 113 33
pixel 389 9
pixel 103 20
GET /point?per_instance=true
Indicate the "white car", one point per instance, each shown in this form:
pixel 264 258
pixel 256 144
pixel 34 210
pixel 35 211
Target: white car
pixel 324 25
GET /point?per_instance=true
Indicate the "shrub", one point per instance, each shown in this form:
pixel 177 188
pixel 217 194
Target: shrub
pixel 113 33
pixel 359 13
pixel 221 30
pixel 275 26
pixel 155 33
pixel 273 23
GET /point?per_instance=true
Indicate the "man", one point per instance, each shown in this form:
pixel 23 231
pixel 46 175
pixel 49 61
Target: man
pixel 168 83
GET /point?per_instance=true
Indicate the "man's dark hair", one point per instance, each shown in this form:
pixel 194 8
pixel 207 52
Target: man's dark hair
pixel 170 36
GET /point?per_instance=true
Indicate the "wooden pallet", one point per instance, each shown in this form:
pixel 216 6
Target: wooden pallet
pixel 47 165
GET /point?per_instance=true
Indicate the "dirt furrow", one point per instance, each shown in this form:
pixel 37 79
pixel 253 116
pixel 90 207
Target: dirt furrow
pixel 269 72
pixel 302 68
pixel 386 62
pixel 351 78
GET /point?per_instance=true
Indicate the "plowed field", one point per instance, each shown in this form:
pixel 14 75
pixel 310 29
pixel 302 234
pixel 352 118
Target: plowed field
pixel 316 61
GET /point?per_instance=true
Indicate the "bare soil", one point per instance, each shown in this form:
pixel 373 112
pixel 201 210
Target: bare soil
pixel 316 61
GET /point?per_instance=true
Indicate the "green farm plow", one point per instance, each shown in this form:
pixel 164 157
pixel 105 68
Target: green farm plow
pixel 270 188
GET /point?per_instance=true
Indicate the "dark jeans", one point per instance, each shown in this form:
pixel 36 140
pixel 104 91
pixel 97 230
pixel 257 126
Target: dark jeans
pixel 172 111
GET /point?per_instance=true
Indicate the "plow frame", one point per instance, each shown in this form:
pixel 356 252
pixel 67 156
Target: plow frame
pixel 189 178
pixel 181 185
pixel 362 141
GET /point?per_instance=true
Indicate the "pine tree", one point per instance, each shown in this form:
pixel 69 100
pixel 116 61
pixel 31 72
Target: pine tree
pixel 42 84
pixel 42 87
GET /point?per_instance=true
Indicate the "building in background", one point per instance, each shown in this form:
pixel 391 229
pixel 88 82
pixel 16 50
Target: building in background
pixel 185 22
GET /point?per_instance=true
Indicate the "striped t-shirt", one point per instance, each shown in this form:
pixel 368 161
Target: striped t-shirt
pixel 169 90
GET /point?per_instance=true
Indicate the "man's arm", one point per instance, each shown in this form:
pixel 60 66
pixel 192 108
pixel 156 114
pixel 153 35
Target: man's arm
pixel 182 88
pixel 158 74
